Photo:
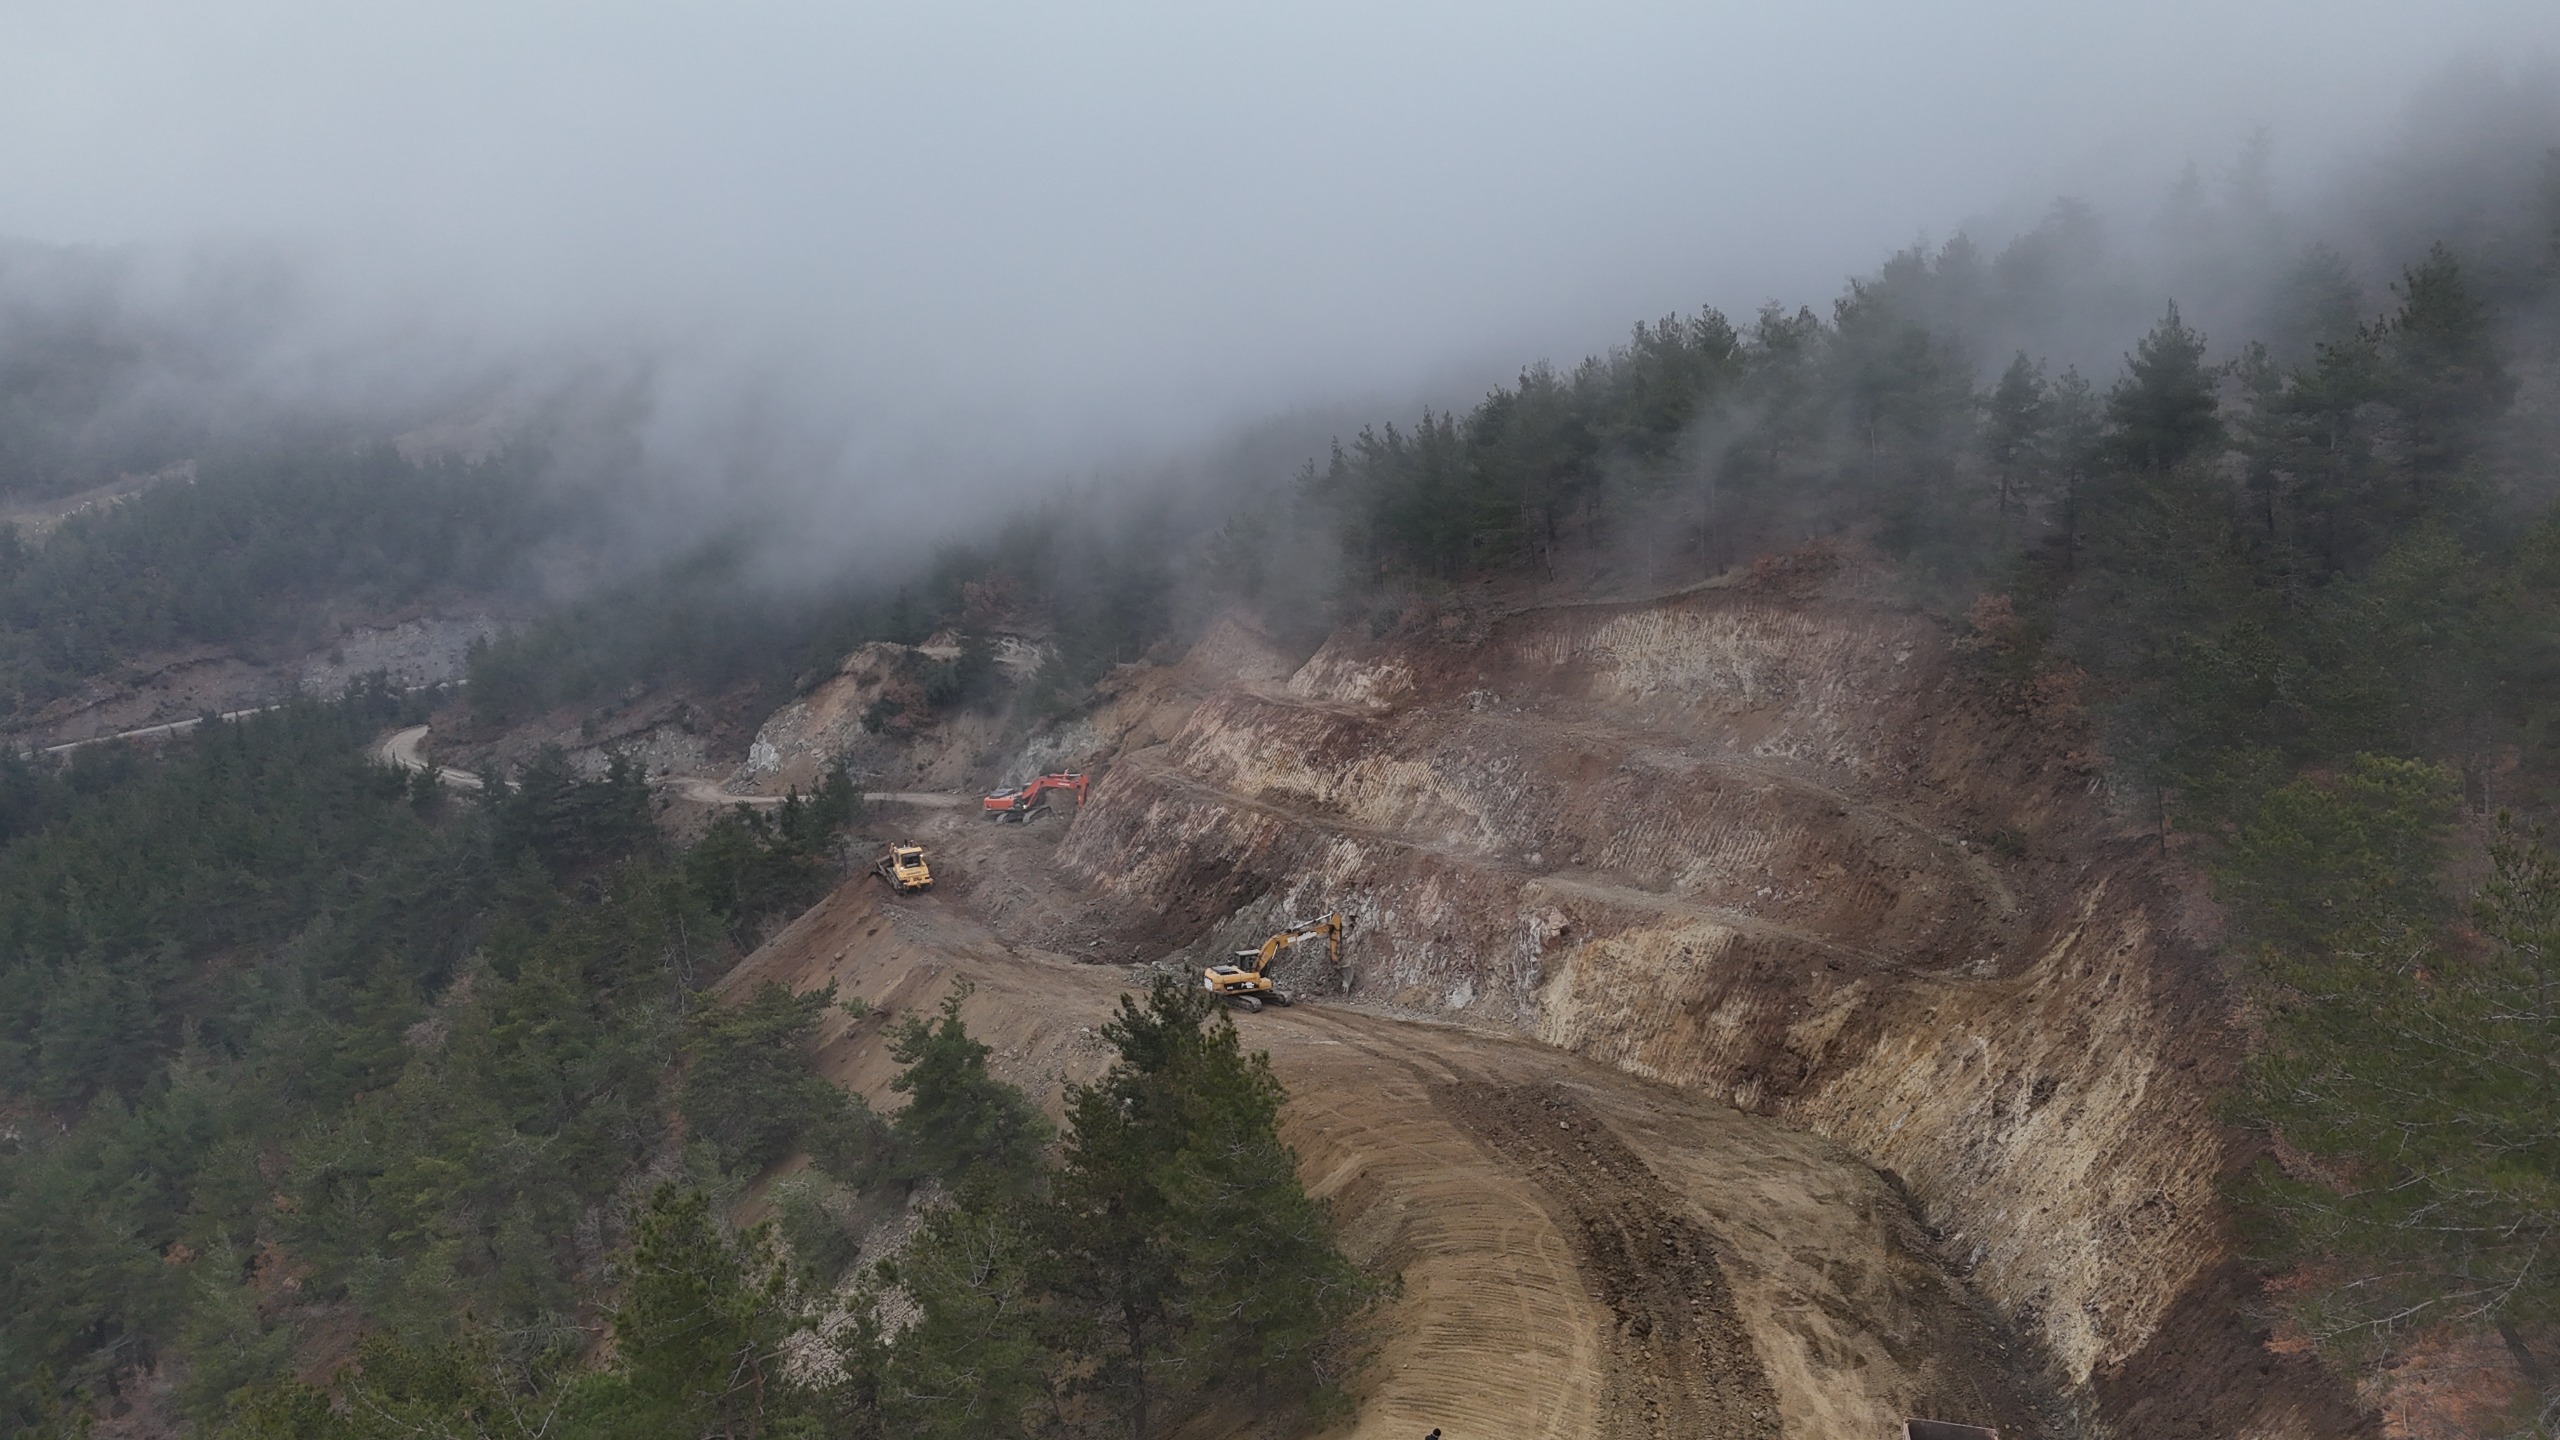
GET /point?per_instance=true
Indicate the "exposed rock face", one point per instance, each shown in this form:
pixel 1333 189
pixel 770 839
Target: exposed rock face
pixel 429 650
pixel 799 740
pixel 968 752
pixel 1790 854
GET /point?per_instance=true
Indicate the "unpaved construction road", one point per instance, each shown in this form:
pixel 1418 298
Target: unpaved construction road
pixel 1679 1360
pixel 1583 1253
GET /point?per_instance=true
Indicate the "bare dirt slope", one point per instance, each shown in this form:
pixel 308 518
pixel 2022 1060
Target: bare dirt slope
pixel 1584 1252
pixel 1774 844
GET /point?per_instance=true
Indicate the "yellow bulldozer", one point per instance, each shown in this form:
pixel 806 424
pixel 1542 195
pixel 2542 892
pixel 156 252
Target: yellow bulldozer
pixel 904 868
pixel 1245 982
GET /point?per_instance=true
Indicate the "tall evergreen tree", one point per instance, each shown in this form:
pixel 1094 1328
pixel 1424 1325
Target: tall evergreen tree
pixel 749 1089
pixel 2412 1071
pixel 2014 436
pixel 2075 429
pixel 976 1363
pixel 699 1333
pixel 2447 368
pixel 2311 441
pixel 960 1122
pixel 2319 304
pixel 1182 1246
pixel 2163 413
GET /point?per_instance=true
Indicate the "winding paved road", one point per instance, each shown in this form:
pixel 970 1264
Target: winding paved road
pixel 152 732
pixel 403 747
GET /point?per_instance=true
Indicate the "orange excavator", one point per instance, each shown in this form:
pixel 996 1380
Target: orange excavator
pixel 1026 803
pixel 1246 982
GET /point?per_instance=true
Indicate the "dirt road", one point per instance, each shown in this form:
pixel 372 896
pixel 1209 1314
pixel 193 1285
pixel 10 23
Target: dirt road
pixel 1583 1253
pixel 703 792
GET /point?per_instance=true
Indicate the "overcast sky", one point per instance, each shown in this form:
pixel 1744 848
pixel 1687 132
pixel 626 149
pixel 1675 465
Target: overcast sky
pixel 1084 219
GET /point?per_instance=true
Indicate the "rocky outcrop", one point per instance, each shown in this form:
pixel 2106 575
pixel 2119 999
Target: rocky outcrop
pixel 971 751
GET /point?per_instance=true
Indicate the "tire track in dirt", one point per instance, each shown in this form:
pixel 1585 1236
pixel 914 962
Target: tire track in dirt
pixel 1680 1364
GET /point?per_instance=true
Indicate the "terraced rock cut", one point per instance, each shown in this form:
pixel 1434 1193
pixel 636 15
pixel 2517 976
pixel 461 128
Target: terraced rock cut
pixel 1786 853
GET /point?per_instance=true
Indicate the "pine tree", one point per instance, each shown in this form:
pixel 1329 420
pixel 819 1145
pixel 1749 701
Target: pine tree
pixel 698 1336
pixel 2447 370
pixel 2163 413
pixel 976 1361
pixel 960 1123
pixel 748 1086
pixel 2413 1073
pixel 1268 1290
pixel 2319 304
pixel 1181 1246
pixel 2310 440
pixel 2075 431
pixel 2013 437
pixel 1112 1260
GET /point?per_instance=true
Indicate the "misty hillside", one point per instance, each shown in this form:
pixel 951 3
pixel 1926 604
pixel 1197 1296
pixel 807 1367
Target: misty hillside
pixel 1969 846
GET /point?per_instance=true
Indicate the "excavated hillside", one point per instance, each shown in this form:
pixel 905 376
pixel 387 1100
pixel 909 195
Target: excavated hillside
pixel 1583 1253
pixel 1775 844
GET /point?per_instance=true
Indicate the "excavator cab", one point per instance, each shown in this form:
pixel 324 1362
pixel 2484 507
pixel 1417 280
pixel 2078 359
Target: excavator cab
pixel 1241 985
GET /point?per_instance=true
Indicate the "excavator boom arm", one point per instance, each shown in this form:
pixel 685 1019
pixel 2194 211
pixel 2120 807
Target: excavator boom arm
pixel 1329 929
pixel 1032 795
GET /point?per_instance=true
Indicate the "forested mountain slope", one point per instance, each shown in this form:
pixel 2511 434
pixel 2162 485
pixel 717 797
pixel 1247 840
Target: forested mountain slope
pixel 2092 780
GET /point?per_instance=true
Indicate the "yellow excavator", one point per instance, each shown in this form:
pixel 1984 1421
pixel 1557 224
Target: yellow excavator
pixel 1245 983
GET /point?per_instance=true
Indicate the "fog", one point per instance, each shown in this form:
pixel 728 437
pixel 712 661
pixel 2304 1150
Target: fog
pixel 979 246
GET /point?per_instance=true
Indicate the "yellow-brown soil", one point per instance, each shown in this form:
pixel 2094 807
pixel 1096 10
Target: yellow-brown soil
pixel 1584 1252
